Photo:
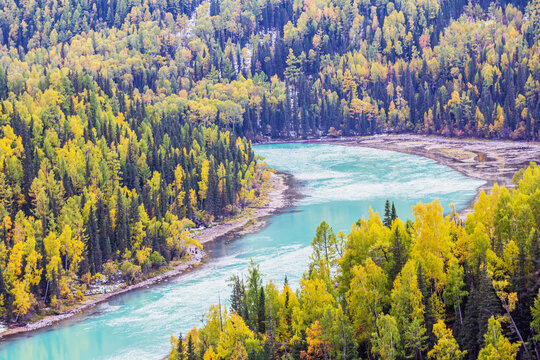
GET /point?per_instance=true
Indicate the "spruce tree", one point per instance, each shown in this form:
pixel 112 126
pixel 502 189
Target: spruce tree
pixel 4 90
pixel 190 348
pixel 429 317
pixel 387 220
pixel 482 303
pixel 238 297
pixel 252 296
pixel 93 247
pixel 262 312
pixel 122 224
pixel 180 348
pixel 399 256
pixel 104 227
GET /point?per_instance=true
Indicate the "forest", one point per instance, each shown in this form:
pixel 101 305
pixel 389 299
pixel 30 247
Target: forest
pixel 293 68
pixel 123 124
pixel 95 181
pixel 435 287
pixel 86 191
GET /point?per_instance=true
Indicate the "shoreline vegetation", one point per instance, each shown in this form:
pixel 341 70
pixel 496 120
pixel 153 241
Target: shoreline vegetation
pixel 490 160
pixel 125 123
pixel 391 289
pixel 273 199
pixel 276 199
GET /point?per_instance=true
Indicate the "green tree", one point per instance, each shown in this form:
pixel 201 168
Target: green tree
pixel 253 297
pixel 535 313
pixel 238 297
pixel 261 315
pixel 180 351
pixel 453 290
pixel 387 220
pixel 386 339
pixel 190 349
pixel 415 339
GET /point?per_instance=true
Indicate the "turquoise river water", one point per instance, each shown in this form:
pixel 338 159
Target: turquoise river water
pixel 339 184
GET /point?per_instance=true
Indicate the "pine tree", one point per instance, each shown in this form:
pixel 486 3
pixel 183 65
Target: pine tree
pixel 122 224
pixel 190 348
pixel 180 348
pixel 93 247
pixel 429 318
pixel 262 312
pixel 3 84
pixel 238 297
pixel 393 214
pixel 103 222
pixel 387 220
pixel 399 255
pixel 482 303
pixel 252 297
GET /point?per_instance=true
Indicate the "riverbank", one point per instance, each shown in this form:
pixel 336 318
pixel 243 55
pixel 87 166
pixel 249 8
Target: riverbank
pixel 493 161
pixel 93 301
pixel 274 197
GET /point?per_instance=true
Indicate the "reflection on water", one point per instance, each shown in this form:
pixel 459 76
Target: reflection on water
pixel 340 184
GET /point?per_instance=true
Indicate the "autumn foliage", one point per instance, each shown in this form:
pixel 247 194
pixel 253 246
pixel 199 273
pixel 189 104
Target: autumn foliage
pixel 436 287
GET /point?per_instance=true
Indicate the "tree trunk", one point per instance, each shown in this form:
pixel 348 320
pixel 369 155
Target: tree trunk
pixel 46 291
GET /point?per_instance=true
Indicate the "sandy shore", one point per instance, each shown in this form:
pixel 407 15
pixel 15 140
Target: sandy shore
pixel 278 200
pixel 493 161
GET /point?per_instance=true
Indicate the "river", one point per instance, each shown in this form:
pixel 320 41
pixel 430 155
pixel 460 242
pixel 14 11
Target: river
pixel 339 184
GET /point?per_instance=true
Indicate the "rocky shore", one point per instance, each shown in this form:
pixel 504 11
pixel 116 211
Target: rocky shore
pixel 277 200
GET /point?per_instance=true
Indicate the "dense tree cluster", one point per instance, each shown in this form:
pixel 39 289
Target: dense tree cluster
pixel 94 180
pixel 30 24
pixel 269 68
pixel 436 287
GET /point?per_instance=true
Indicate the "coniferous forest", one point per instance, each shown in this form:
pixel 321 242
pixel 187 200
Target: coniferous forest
pixel 123 124
pixel 435 287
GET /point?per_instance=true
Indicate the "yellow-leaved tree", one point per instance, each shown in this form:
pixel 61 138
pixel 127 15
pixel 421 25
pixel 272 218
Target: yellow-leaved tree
pixel 431 241
pixel 236 339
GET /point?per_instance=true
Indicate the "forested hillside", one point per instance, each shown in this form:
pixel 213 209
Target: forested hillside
pixel 93 177
pixel 122 123
pixel 436 287
pixel 293 68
